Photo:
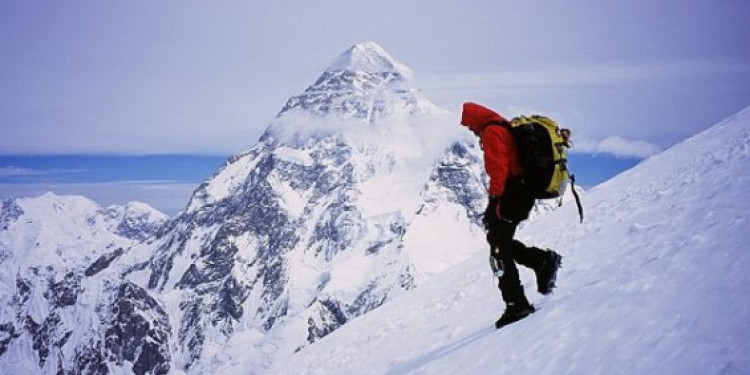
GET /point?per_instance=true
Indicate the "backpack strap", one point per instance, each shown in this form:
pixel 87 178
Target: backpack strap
pixel 575 194
pixel 505 124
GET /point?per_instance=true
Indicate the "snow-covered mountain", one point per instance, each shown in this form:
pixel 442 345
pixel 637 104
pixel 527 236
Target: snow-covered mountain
pixel 360 190
pixel 47 247
pixel 654 282
pixel 309 228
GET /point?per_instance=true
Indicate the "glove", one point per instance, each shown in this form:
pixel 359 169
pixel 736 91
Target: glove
pixel 492 212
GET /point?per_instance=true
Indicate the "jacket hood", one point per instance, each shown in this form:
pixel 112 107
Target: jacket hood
pixel 476 117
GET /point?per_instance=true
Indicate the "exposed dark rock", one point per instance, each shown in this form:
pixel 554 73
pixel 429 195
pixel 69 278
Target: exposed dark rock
pixel 103 262
pixel 10 211
pixel 65 292
pixel 7 334
pixel 89 360
pixel 139 331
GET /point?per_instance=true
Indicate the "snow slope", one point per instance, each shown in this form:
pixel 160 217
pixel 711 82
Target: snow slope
pixel 654 282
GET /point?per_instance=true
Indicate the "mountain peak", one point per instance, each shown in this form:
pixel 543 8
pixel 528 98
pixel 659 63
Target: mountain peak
pixel 365 82
pixel 369 57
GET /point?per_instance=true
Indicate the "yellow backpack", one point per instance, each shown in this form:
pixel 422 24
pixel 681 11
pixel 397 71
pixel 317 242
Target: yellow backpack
pixel 542 148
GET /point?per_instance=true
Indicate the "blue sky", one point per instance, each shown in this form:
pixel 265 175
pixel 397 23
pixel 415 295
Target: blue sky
pixel 164 181
pixel 199 78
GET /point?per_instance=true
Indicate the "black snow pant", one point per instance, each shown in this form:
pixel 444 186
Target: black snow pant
pixel 515 205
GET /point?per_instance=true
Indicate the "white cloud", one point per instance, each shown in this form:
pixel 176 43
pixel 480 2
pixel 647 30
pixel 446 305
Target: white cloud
pixel 11 171
pixel 406 136
pixel 619 147
pixel 18 172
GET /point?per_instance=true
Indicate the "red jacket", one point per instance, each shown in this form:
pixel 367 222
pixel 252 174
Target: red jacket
pixel 500 153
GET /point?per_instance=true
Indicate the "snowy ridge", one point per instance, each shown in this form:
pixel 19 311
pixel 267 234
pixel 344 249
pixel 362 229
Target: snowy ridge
pixel 653 282
pixel 70 231
pixel 51 313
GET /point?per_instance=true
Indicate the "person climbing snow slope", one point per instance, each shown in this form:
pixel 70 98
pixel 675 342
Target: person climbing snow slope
pixel 509 204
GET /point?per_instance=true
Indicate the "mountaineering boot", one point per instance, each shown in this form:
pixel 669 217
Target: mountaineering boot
pixel 546 274
pixel 513 313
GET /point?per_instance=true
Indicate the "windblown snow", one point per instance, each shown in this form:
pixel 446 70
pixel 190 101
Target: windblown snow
pixel 654 282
